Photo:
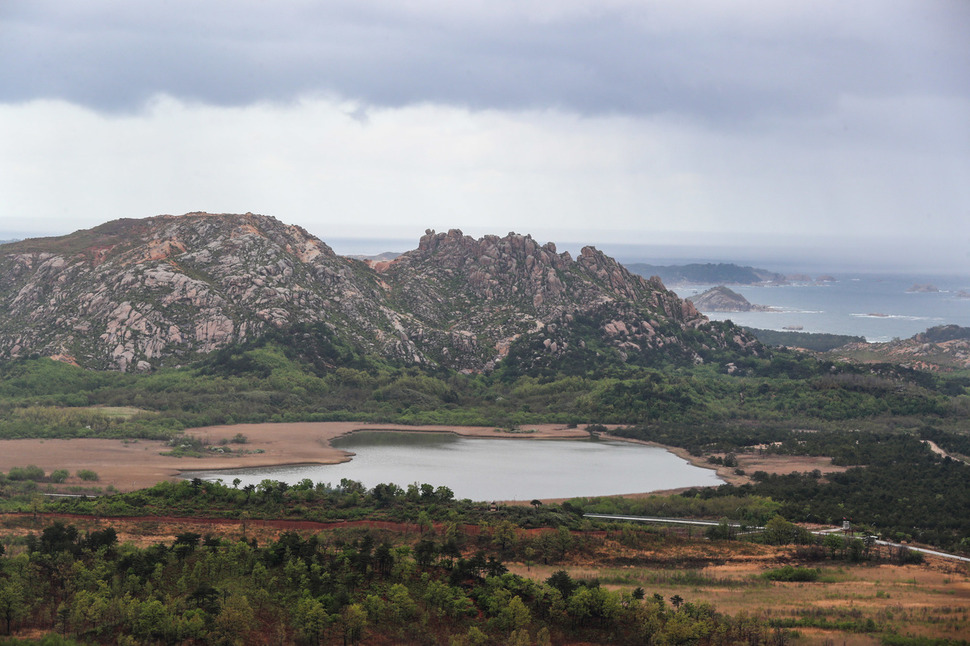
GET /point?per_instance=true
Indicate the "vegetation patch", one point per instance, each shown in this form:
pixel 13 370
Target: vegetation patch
pixel 792 573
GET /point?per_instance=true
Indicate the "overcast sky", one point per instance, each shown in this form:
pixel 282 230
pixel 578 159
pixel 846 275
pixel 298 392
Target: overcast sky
pixel 834 129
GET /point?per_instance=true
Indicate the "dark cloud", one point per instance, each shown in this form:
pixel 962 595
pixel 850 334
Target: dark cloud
pixel 645 58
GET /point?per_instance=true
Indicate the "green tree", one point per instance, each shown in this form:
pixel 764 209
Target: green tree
pixel 779 531
pixel 402 606
pixel 515 615
pixel 312 619
pixel 13 604
pixel 235 621
pixel 354 619
pixel 503 535
pixel 833 543
pixel 563 540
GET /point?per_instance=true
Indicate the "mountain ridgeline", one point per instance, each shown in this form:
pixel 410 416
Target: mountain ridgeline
pixel 137 294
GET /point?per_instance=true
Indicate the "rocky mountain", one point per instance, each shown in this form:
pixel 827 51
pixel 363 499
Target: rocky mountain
pixel 137 294
pixel 722 299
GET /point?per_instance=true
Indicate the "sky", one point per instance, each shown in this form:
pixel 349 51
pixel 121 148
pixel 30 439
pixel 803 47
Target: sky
pixel 788 131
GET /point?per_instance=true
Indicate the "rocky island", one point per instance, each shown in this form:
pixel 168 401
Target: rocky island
pixel 722 299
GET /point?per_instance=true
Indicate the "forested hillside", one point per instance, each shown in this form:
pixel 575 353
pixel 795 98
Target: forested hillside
pixel 303 374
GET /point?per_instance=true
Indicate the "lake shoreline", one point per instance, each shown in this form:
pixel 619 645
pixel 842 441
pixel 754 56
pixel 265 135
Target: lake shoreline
pixel 529 431
pixel 128 465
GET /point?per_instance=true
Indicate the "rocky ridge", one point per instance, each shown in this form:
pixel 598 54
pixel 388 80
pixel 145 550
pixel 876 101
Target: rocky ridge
pixel 941 348
pixel 138 294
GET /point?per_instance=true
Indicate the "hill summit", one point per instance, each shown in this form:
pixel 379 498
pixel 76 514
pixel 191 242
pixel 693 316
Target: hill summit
pixel 136 294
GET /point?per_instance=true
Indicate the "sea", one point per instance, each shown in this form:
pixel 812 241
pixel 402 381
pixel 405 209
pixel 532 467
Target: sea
pixel 879 307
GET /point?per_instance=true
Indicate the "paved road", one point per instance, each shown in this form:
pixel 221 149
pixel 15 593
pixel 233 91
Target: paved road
pixel 668 521
pixel 714 523
pixel 926 551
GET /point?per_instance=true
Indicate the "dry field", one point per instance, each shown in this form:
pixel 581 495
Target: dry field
pixel 929 600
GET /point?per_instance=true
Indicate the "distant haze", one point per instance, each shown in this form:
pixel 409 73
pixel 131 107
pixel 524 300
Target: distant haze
pixel 782 255
pixel 820 131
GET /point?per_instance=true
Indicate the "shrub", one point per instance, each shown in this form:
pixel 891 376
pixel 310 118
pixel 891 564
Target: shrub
pixel 59 475
pixel 790 573
pixel 88 475
pixel 30 472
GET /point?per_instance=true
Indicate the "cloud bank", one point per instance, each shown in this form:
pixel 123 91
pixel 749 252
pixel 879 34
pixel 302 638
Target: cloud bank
pixel 613 121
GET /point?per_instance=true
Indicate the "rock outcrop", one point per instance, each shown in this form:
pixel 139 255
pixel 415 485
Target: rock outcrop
pixel 138 294
pixel 943 348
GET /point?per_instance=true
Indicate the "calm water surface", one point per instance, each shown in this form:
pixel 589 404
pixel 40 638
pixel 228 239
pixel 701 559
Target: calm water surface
pixel 493 469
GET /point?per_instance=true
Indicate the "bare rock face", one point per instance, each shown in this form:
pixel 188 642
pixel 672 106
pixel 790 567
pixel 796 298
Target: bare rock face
pixel 138 294
pixel 496 290
pixel 135 294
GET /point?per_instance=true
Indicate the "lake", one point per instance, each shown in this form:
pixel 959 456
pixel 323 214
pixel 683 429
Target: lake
pixel 492 469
